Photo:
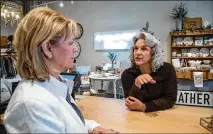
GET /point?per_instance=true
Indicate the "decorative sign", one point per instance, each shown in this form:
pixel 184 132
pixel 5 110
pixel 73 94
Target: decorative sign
pixel 195 98
pixel 192 23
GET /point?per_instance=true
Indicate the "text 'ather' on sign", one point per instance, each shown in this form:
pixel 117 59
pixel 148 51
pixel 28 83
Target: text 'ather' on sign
pixel 195 98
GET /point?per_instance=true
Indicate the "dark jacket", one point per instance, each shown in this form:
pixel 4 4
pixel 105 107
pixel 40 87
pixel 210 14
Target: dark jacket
pixel 159 96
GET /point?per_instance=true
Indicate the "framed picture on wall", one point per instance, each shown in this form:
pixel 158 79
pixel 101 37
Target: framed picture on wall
pixel 114 40
pixel 198 41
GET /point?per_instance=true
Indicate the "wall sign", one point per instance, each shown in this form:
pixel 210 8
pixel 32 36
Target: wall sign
pixel 192 23
pixel 195 98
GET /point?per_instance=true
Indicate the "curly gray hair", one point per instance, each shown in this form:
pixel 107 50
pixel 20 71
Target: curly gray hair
pixel 154 44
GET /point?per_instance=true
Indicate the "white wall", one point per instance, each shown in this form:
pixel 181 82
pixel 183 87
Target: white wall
pixel 100 16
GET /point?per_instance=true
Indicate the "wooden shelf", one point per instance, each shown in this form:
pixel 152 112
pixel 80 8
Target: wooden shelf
pixel 210 57
pixel 189 33
pixel 189 75
pixel 206 70
pixel 211 46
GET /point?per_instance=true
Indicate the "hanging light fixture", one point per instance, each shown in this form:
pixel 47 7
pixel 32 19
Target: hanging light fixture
pixel 11 12
pixel 61 4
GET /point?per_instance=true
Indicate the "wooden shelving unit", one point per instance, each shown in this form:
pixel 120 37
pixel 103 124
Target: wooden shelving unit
pixel 179 48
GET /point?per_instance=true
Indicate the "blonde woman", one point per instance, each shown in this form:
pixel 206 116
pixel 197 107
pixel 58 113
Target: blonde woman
pixel 42 101
pixel 150 84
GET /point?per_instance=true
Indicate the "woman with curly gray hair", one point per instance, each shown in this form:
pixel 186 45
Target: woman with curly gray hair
pixel 149 84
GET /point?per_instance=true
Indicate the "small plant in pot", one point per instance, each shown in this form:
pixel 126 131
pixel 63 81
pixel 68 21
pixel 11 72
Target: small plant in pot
pixel 112 56
pixel 179 12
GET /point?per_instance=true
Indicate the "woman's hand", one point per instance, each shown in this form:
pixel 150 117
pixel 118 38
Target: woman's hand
pixel 100 130
pixel 134 104
pixel 143 79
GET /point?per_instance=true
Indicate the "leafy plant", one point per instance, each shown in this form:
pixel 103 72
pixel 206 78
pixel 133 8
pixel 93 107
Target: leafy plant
pixel 146 29
pixel 209 26
pixel 112 56
pixel 179 11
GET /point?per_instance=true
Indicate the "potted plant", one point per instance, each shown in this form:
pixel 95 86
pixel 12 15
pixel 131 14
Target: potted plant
pixel 206 25
pixel 146 29
pixel 112 56
pixel 179 12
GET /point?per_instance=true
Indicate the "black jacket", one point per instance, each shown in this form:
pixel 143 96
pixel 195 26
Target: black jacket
pixel 159 96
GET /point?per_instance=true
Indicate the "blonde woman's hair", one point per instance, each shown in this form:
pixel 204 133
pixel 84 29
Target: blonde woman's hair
pixel 39 25
pixel 154 44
